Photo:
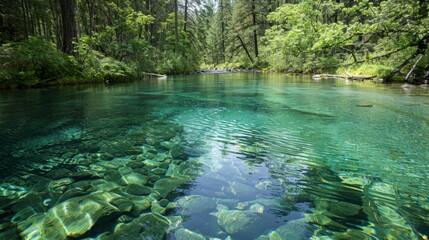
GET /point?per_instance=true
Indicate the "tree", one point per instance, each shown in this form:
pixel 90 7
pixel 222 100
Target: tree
pixel 69 32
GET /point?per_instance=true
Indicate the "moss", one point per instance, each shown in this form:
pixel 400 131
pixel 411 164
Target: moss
pixel 376 70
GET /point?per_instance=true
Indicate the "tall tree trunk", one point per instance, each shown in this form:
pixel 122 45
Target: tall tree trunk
pixel 24 14
pixel 53 7
pixel 245 48
pixel 222 30
pixel 255 25
pixel 186 15
pixel 176 26
pixel 69 25
pixel 91 17
pixel 147 26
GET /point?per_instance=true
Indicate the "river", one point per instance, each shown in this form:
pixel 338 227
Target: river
pixel 216 156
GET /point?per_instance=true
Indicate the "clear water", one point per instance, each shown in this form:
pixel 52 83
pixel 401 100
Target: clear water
pixel 305 159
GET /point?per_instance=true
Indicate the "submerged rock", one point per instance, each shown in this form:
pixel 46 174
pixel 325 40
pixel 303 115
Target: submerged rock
pixel 135 178
pixel 257 208
pixel 323 220
pixel 155 226
pixel 72 218
pixel 196 204
pixel 236 221
pixel 150 226
pixel 139 190
pixel 185 234
pixel 337 208
pixel 60 183
pixel 295 229
pixel 240 189
pixel 164 186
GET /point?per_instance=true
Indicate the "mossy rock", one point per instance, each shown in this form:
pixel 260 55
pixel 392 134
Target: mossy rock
pixel 236 221
pixel 295 229
pixel 165 186
pixel 72 218
pixel 137 189
pixel 196 204
pixel 185 234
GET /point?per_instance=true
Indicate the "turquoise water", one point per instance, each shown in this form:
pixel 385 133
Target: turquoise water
pixel 227 156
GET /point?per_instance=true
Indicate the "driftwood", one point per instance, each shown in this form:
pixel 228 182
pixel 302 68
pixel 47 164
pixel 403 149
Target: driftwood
pixel 412 69
pixel 349 77
pixel 155 75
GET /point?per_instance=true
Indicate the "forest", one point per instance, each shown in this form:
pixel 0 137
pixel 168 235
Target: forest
pixel 73 41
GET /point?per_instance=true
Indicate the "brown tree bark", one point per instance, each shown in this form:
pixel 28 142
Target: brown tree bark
pixel 245 48
pixel 24 15
pixel 69 25
pixel 176 26
pixel 255 25
pixel 186 16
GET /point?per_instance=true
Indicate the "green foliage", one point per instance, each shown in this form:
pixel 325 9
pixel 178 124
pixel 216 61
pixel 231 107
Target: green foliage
pixel 96 66
pixel 320 36
pixel 172 63
pixel 376 70
pixel 26 63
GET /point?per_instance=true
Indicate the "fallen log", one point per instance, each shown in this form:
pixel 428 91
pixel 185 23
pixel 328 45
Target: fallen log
pixel 154 75
pixel 349 77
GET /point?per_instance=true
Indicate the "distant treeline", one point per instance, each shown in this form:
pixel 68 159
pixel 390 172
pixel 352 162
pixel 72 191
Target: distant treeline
pixel 71 40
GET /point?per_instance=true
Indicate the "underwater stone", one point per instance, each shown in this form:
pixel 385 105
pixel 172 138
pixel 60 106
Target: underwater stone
pixel 134 164
pixel 240 189
pixel 294 229
pixel 154 164
pixel 164 186
pixel 337 208
pixel 168 145
pixel 236 221
pixel 159 171
pixel 139 190
pixel 143 170
pixel 143 205
pixel 322 220
pixel 125 170
pixel 123 204
pixel 71 218
pixel 135 178
pixel 175 223
pixel 164 202
pixel 195 204
pixel 185 234
pixel 60 183
pixel 177 153
pixel 154 178
pixel 189 168
pixel 84 175
pixel 155 226
pixel 114 176
pixel 107 156
pixel 125 219
pixel 71 193
pixel 57 173
pixel 257 208
pixel 354 180
pixel 156 208
pixel 39 227
pixel 171 169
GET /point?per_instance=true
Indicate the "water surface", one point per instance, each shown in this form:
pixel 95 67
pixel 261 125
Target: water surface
pixel 241 156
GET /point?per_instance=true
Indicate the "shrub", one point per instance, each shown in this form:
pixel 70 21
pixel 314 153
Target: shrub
pixel 28 62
